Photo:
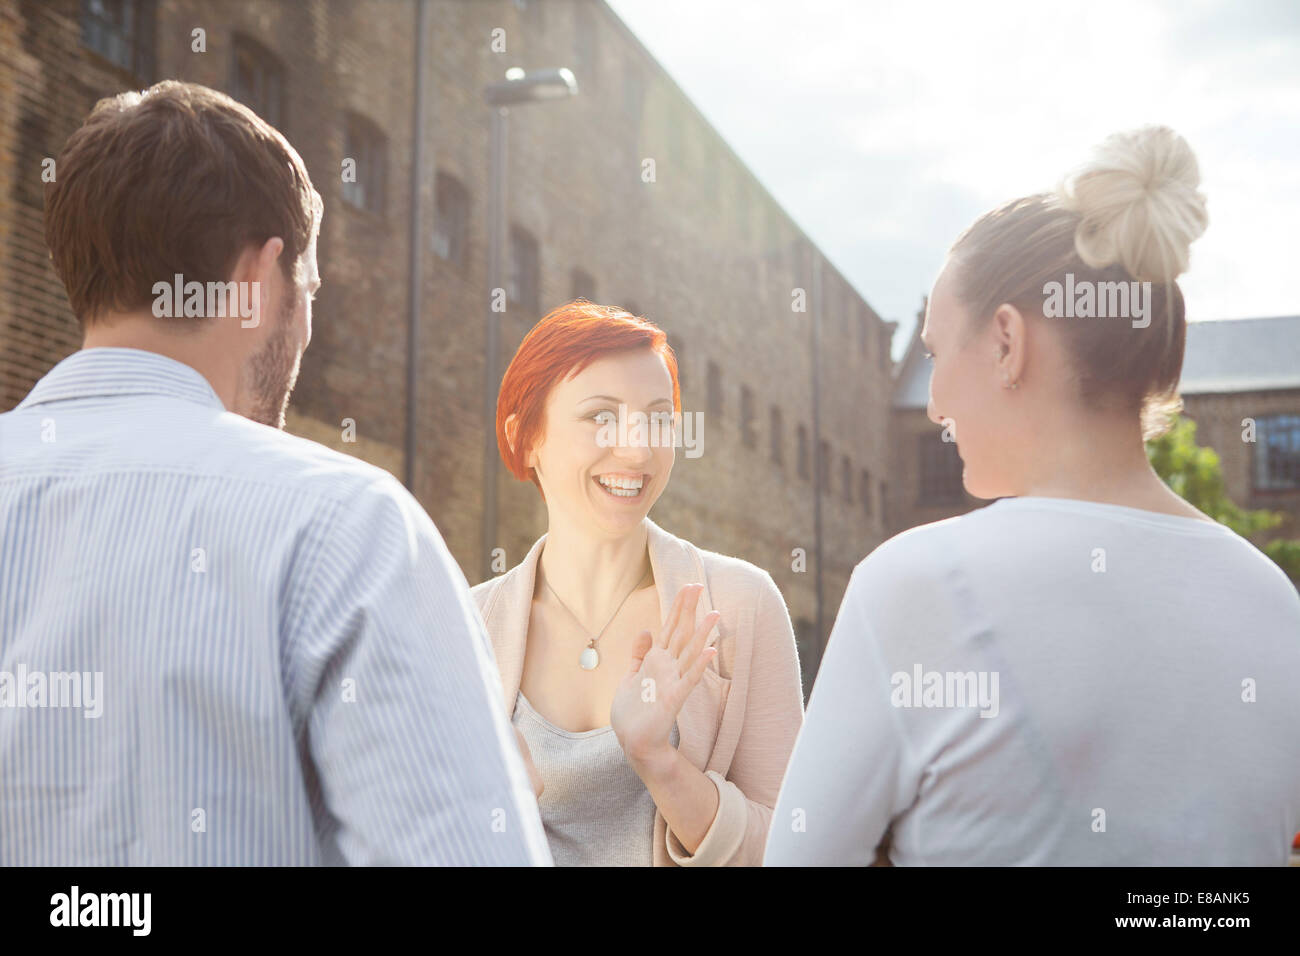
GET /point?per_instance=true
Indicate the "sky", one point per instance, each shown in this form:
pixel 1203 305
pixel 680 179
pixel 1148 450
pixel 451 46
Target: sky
pixel 885 128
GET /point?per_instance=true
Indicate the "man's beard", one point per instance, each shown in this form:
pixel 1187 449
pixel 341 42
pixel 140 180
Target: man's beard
pixel 268 376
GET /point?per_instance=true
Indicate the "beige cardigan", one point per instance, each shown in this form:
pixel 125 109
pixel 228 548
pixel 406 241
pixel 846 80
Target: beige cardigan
pixel 738 725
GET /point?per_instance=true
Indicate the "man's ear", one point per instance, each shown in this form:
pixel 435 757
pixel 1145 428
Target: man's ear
pixel 257 264
pixel 268 261
pixel 269 254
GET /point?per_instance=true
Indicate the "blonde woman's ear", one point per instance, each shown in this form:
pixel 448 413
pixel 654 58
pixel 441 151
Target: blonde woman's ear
pixel 1009 327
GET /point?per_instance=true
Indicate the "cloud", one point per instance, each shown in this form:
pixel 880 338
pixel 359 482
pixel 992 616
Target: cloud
pixel 885 128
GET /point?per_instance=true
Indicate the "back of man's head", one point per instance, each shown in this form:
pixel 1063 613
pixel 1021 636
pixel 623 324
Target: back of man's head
pixel 177 179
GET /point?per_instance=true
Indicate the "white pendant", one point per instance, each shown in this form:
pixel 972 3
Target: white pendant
pixel 589 659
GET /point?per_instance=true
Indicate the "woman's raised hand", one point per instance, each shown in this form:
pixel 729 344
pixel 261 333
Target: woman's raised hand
pixel 664 671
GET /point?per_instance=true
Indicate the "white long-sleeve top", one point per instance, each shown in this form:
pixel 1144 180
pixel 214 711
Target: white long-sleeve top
pixel 1047 681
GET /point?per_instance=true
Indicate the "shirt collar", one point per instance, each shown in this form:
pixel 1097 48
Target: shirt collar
pixel 98 372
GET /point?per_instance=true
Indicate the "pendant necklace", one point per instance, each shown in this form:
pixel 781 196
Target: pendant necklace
pixel 589 658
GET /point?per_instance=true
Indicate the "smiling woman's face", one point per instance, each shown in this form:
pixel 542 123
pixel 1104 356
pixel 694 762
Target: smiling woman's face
pixel 606 488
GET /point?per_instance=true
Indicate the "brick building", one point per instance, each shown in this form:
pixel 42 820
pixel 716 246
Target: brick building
pixel 795 403
pixel 1241 385
pixel 926 470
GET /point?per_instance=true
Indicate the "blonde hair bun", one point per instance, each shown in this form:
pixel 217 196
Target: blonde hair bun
pixel 1139 204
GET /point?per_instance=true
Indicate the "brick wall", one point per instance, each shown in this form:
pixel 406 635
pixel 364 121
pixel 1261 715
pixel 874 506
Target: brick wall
pixel 48 83
pixel 703 250
pixel 907 506
pixel 1219 425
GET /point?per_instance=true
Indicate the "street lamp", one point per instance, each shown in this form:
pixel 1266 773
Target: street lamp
pixel 518 88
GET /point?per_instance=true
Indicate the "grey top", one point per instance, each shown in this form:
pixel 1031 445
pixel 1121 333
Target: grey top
pixel 595 809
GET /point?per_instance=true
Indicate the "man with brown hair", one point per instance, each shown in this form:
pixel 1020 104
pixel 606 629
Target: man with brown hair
pixel 220 643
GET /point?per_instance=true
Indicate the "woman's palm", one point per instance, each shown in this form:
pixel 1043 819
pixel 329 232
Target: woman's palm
pixel 663 673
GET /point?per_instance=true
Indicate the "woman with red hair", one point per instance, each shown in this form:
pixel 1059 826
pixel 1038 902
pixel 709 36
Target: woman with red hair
pixel 655 685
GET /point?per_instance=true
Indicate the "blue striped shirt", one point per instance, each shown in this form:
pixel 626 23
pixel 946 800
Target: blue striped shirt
pixel 223 644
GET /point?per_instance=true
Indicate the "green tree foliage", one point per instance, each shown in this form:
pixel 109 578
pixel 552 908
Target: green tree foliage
pixel 1286 552
pixel 1195 474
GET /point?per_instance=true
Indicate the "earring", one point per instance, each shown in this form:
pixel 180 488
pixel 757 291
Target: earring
pixel 1000 353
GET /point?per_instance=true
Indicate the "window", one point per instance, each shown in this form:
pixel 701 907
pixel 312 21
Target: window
pixel 747 433
pixel 864 491
pixel 121 31
pixel 108 28
pixel 582 285
pixel 367 147
pixel 524 270
pixel 1277 452
pixel 674 151
pixel 773 246
pixel 801 449
pixel 535 10
pixel 824 465
pixel 940 470
pixel 450 219
pixel 778 436
pixel 257 80
pixel 715 390
pixel 585 43
pixel 739 206
pixel 712 178
pixel 633 91
pixel 846 479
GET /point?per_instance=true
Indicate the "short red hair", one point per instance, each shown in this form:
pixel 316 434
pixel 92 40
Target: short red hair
pixel 563 343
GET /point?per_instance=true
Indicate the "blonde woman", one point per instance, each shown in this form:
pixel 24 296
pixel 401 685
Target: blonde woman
pixel 1088 671
pixel 655 685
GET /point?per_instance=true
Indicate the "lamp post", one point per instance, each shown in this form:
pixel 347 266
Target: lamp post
pixel 518 88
